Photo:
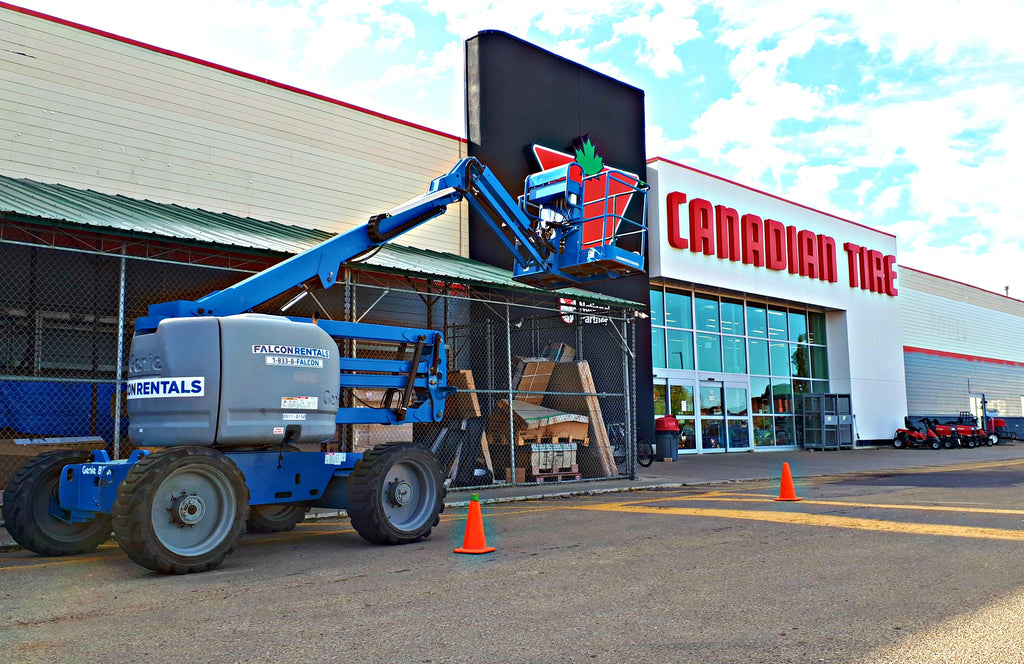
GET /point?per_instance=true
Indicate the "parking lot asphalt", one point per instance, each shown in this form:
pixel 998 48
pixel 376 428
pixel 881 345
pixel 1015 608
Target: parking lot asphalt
pixel 720 468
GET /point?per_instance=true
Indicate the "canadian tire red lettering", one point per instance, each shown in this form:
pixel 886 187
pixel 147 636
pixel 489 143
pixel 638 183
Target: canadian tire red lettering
pixel 774 245
pixel 828 270
pixel 675 201
pixel 753 240
pixel 793 249
pixel 877 271
pixel 853 260
pixel 890 276
pixel 808 242
pixel 702 227
pixel 727 229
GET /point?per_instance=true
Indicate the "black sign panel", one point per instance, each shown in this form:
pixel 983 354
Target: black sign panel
pixel 517 95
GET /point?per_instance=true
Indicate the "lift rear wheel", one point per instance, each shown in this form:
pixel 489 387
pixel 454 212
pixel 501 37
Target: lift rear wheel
pixel 275 518
pixel 181 510
pixel 396 494
pixel 33 515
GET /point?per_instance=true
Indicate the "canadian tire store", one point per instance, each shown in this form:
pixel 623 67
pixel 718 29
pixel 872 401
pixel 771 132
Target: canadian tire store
pixel 757 301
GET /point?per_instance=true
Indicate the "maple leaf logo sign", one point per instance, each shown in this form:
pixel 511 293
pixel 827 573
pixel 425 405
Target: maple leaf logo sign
pixel 587 157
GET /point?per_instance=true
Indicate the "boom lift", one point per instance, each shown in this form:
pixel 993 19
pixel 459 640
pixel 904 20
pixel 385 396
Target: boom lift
pixel 224 394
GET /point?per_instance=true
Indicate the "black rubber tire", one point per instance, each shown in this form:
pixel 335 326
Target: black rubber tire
pixel 947 443
pixel 898 442
pixel 395 494
pixel 993 439
pixel 151 521
pixel 644 452
pixel 27 504
pixel 274 518
pixel 936 445
pixel 277 518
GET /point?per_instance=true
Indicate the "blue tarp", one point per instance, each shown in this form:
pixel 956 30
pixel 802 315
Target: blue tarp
pixel 57 409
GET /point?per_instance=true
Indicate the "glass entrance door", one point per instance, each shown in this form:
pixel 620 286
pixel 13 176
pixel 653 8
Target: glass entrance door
pixel 724 416
pixel 712 417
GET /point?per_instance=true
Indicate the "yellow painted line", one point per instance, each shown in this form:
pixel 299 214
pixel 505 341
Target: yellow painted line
pixel 923 508
pixel 821 520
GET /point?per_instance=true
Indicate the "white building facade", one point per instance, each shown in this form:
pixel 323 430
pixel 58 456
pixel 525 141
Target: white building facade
pixel 757 301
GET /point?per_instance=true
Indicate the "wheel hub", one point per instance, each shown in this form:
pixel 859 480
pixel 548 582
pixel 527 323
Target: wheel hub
pixel 187 510
pixel 399 492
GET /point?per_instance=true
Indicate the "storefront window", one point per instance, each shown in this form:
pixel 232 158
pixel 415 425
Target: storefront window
pixel 657 307
pixel 819 362
pixel 734 355
pixel 706 310
pixel 782 396
pixel 732 317
pixel 785 432
pixel 780 358
pixel 764 433
pixel 757 321
pixel 800 360
pixel 682 400
pixel 817 325
pixel 735 401
pixel 680 350
pixel 797 326
pixel 758 356
pixel 739 433
pixel 777 325
pixel 677 310
pixel 760 394
pixel 660 404
pixel 709 352
pixel 688 434
pixel 658 347
pixel 780 350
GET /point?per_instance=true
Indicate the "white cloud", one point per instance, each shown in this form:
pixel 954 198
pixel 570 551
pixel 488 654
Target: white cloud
pixel 660 32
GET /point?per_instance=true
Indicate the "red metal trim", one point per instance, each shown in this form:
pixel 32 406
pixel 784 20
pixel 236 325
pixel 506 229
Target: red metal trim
pixel 961 356
pixel 228 70
pixel 765 193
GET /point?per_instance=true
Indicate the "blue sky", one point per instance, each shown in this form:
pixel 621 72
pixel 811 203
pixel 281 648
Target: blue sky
pixel 904 116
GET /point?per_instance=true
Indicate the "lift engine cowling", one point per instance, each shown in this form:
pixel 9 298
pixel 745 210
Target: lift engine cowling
pixel 244 380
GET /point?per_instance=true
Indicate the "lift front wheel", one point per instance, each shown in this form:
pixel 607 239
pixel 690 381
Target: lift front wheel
pixel 33 515
pixel 396 494
pixel 181 510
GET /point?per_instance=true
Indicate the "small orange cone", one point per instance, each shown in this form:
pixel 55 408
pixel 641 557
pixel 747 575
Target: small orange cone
pixel 474 541
pixel 786 490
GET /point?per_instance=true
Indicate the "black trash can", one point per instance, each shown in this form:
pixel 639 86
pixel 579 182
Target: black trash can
pixel 666 431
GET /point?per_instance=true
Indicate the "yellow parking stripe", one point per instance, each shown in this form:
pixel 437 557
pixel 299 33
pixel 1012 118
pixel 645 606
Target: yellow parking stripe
pixel 802 519
pixel 836 503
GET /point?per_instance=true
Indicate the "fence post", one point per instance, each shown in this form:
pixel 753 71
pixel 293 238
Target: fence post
pixel 511 394
pixel 120 360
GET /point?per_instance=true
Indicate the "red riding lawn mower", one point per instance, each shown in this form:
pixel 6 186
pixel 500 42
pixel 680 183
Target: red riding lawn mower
pixel 963 432
pixel 912 436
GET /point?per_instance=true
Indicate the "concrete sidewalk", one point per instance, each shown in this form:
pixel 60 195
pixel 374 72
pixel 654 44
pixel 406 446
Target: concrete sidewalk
pixel 721 468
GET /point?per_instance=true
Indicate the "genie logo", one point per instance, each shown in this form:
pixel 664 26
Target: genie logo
pixel 144 363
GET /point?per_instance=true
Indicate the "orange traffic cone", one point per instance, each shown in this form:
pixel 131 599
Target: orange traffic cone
pixel 474 541
pixel 786 490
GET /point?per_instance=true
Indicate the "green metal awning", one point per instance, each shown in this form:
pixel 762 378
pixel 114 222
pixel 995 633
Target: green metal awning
pixel 47 204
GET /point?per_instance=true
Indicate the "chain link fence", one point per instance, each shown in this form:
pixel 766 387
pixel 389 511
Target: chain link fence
pixel 545 384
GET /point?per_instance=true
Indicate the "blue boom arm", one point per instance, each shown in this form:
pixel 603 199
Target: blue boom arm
pixel 542 231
